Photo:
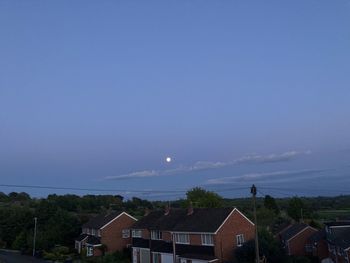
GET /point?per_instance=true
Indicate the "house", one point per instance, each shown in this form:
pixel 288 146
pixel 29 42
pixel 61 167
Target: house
pixel 193 235
pixel 108 232
pixel 338 239
pixel 317 245
pixel 295 237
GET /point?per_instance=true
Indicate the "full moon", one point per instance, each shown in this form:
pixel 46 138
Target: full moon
pixel 168 159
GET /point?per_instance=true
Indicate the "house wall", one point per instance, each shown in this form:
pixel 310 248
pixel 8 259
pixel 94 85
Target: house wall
pixel 297 244
pixel 97 252
pixel 225 240
pixel 322 250
pixel 111 235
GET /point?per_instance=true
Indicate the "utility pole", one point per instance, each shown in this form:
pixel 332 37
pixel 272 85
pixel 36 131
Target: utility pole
pixel 174 248
pixel 34 239
pixel 301 214
pixel 253 192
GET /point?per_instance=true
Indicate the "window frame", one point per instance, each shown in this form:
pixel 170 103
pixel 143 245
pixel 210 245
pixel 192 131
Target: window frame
pixel 137 233
pixel 126 233
pixel 205 238
pixel 240 240
pixel 177 238
pixel 156 235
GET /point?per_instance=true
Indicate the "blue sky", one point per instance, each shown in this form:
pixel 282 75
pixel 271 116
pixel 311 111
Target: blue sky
pixel 97 94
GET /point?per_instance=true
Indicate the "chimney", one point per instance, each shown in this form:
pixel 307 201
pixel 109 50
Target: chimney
pixel 190 209
pixel 147 211
pixel 167 209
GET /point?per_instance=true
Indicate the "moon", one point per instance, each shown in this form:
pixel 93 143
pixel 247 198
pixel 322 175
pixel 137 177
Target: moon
pixel 168 159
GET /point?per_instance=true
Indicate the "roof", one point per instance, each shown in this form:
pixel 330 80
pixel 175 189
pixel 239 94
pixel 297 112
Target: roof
pixel 338 223
pixel 81 237
pixel 340 237
pixel 185 251
pixel 99 221
pixel 92 240
pixel 316 237
pixel 292 230
pixel 206 220
pixel 199 256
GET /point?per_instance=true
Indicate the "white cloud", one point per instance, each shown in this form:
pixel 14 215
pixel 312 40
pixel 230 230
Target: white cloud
pixel 254 177
pixel 208 165
pixel 140 174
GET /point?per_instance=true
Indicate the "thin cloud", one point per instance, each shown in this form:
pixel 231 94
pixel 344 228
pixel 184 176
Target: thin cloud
pixel 208 165
pixel 255 177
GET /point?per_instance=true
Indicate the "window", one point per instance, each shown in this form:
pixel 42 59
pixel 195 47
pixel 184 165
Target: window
pixel 90 251
pixel 93 232
pixel 136 233
pixel 182 238
pixel 207 239
pixel 156 235
pixel 99 232
pixel 126 233
pixel 240 240
pixel 309 248
pixel 156 258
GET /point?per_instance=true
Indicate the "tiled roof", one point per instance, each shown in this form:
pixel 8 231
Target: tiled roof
pixel 92 240
pixel 316 237
pixel 340 237
pixel 338 223
pixel 291 231
pixel 101 220
pixel 198 256
pixel 201 220
pixel 81 237
pixel 185 251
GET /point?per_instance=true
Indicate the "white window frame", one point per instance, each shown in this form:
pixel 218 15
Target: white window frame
pixel 125 233
pixel 207 239
pixel 182 238
pixel 156 235
pixel 89 251
pixel 240 240
pixel 136 233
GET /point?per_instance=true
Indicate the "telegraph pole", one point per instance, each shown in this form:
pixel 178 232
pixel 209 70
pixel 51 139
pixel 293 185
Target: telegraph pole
pixel 34 239
pixel 253 192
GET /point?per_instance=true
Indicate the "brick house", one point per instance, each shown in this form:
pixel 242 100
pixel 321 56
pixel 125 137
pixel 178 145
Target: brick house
pixel 317 245
pixel 109 232
pixel 190 235
pixel 295 237
pixel 338 239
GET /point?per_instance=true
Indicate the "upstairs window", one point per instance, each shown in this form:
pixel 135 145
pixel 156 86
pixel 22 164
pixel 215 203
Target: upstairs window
pixel 156 235
pixel 240 240
pixel 207 239
pixel 182 238
pixel 136 233
pixel 126 233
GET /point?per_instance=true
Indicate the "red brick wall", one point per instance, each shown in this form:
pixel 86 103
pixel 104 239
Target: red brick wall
pixel 166 236
pixel 322 250
pixel 195 239
pixel 97 252
pixel 225 240
pixel 111 235
pixel 297 244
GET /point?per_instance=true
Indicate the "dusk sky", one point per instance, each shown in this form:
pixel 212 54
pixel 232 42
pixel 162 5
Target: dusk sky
pixel 96 94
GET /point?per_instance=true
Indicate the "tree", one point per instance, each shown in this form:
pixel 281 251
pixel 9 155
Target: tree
pixel 268 247
pixel 296 208
pixel 270 203
pixel 203 198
